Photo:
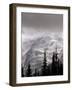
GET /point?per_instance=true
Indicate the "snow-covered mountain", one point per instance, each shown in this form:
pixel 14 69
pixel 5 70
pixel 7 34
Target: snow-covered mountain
pixel 33 50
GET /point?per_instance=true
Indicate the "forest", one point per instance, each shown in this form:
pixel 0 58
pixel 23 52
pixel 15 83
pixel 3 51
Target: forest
pixel 55 68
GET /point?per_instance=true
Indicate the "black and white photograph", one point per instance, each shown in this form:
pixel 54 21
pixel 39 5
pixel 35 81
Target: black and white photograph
pixel 41 44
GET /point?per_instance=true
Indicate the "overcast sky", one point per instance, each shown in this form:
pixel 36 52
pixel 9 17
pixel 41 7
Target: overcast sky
pixel 35 23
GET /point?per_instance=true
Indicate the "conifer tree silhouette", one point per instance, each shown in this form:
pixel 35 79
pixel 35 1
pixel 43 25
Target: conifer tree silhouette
pixel 61 69
pixel 22 72
pixel 55 63
pixel 48 71
pixel 28 73
pixel 44 67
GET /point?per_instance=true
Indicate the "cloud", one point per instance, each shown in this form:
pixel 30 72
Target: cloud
pixel 35 22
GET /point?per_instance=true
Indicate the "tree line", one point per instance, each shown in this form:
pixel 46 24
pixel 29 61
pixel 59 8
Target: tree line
pixel 55 68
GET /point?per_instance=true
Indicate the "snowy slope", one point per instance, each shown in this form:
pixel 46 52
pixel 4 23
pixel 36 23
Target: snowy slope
pixel 32 50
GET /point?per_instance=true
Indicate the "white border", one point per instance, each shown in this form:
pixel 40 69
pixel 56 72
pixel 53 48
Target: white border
pixel 64 77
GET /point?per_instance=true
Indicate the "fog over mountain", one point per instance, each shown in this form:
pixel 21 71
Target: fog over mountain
pixel 33 50
pixel 40 32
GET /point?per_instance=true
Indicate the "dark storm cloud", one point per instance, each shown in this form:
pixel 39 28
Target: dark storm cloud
pixel 45 22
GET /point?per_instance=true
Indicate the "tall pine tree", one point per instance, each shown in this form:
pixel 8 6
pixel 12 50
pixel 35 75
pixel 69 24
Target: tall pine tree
pixel 22 72
pixel 44 67
pixel 55 63
pixel 28 73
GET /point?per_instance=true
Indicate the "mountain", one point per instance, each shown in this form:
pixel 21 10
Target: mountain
pixel 33 50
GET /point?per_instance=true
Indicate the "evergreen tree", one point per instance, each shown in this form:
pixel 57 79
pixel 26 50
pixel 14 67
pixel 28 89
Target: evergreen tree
pixel 48 72
pixel 22 72
pixel 55 63
pixel 44 67
pixel 61 66
pixel 28 73
pixel 61 69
